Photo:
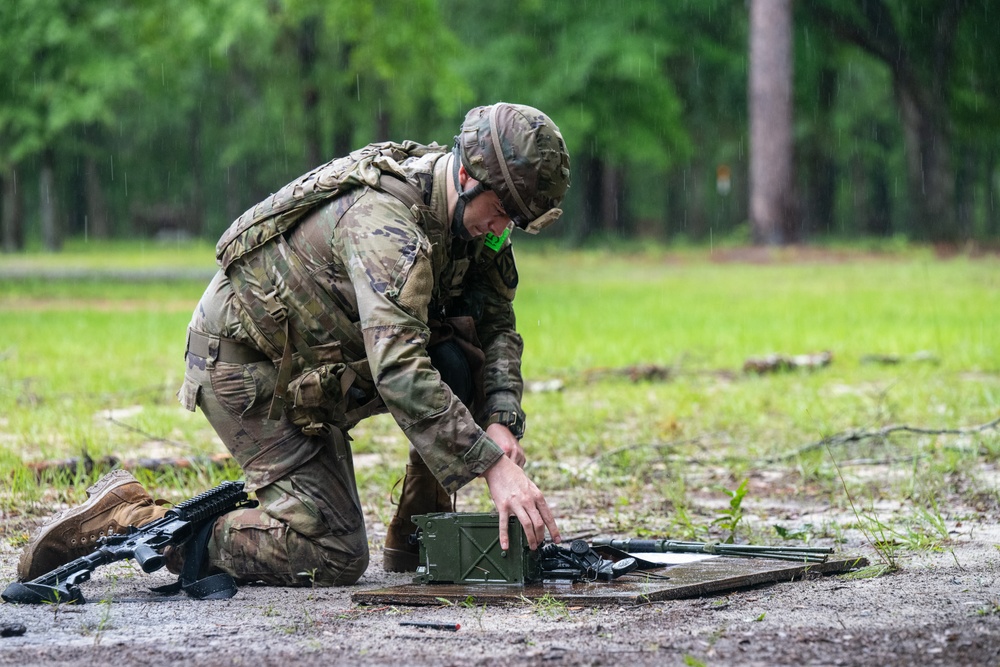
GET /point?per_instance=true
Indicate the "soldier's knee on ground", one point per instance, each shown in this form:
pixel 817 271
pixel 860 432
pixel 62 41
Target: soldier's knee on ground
pixel 343 568
pixel 253 546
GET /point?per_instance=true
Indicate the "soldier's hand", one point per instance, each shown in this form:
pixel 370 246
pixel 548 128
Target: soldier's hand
pixel 510 445
pixel 516 495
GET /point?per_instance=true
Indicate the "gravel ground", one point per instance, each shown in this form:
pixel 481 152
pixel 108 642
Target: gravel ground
pixel 943 608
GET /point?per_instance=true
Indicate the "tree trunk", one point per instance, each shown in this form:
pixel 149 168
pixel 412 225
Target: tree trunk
pixel 677 211
pixel 308 56
pixel 611 219
pixel 697 199
pixel 879 221
pixel 12 221
pixel 858 189
pixel 880 207
pixel 47 205
pixel 965 193
pixel 820 165
pixel 343 134
pixel 98 223
pixel 770 100
pixel 992 227
pixel 590 169
pixel 383 119
pixel 232 195
pixel 342 137
pixel 930 178
pixel 195 224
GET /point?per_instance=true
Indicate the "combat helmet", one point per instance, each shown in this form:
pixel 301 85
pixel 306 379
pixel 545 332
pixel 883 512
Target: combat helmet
pixel 517 152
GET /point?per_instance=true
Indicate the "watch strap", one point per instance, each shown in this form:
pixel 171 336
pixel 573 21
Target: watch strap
pixel 509 418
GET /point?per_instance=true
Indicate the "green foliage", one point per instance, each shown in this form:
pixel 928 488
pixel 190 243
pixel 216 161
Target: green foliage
pixel 548 606
pixel 192 112
pixel 799 535
pixel 992 608
pixel 582 54
pixel 729 518
pixel 65 64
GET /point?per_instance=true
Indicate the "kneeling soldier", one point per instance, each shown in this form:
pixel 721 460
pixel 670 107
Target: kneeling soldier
pixel 380 282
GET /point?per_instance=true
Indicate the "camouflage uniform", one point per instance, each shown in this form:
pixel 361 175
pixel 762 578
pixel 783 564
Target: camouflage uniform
pixel 342 305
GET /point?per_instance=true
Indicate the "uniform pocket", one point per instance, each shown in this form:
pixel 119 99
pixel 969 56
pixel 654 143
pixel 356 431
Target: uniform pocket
pixel 317 396
pixel 241 387
pixel 189 393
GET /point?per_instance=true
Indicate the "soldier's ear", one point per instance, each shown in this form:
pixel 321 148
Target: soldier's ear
pixel 463 177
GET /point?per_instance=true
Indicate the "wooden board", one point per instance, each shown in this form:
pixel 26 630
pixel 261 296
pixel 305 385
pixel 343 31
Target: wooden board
pixel 706 577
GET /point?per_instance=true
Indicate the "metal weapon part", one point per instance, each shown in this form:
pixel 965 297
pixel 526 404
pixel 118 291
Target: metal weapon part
pixel 580 562
pixel 795 554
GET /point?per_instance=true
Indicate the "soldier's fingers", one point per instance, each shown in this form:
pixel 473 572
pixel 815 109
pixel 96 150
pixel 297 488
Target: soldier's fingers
pixel 530 530
pixel 550 522
pixel 534 525
pixel 504 537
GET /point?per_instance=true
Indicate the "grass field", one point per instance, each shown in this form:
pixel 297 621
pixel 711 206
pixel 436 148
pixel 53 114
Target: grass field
pixel 91 354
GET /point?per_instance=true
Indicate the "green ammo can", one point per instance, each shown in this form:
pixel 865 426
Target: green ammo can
pixel 464 548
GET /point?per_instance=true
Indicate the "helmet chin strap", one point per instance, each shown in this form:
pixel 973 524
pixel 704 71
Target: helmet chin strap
pixel 458 227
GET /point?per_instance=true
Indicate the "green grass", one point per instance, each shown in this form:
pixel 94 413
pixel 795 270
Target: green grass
pixel 589 310
pixel 648 454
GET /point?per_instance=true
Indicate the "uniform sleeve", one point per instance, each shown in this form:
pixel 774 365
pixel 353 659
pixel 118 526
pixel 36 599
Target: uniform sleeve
pixel 388 259
pixel 491 285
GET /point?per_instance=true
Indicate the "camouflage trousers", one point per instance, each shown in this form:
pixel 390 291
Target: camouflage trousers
pixel 309 528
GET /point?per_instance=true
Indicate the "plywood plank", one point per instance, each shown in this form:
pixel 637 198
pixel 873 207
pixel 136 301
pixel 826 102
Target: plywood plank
pixel 706 577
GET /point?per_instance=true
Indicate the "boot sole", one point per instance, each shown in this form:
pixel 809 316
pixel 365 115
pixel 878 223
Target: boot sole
pixel 397 560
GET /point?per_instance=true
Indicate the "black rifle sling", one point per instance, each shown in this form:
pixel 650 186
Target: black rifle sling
pixel 213 587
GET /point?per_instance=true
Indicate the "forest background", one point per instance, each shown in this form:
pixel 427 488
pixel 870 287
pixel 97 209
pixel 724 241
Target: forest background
pixel 166 119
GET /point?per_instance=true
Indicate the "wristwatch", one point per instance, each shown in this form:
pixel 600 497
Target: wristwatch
pixel 512 420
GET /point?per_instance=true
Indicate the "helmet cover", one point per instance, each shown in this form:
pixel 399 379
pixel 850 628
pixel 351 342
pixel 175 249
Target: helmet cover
pixel 519 153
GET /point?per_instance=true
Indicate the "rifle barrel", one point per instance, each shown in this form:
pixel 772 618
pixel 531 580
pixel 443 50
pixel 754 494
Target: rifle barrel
pixel 808 554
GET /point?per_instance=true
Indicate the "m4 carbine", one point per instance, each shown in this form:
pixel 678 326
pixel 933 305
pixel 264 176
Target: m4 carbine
pixel 188 523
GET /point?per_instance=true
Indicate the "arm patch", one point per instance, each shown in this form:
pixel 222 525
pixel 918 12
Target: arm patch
pixel 417 284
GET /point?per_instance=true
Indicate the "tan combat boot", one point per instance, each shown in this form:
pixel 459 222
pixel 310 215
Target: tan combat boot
pixel 116 502
pixel 422 494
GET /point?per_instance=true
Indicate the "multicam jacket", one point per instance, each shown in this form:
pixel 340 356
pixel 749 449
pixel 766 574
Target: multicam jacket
pixel 351 290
